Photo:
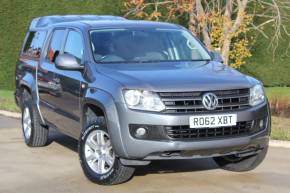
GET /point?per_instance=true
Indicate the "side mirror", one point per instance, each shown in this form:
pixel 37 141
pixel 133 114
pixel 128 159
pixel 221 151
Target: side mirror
pixel 67 62
pixel 217 57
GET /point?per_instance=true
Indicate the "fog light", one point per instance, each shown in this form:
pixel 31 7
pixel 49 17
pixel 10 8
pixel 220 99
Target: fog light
pixel 140 132
pixel 261 124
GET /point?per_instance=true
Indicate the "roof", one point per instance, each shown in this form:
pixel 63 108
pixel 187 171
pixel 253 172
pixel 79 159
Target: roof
pixel 95 21
pixel 129 23
pixel 46 21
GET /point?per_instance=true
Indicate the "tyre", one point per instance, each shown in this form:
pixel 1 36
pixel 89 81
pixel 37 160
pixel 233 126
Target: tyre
pixel 35 135
pixel 237 164
pixel 98 159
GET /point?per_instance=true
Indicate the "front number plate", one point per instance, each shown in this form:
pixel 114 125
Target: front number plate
pixel 220 120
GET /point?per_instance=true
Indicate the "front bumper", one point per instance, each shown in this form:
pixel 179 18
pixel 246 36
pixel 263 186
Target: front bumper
pixel 140 149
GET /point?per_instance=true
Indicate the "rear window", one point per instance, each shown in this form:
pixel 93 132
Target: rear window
pixel 34 44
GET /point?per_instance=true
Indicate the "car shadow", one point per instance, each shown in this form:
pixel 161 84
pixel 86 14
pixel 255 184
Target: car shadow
pixel 156 167
pixel 176 166
pixel 61 139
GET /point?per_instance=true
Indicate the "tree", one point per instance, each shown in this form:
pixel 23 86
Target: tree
pixel 221 24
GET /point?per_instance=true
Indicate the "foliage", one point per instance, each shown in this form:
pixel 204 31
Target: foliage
pixel 224 25
pixel 16 16
pixel 211 21
pixel 240 46
pixel 282 93
pixel 273 70
pixel 280 107
pixel 280 128
pixel 279 99
pixel 7 101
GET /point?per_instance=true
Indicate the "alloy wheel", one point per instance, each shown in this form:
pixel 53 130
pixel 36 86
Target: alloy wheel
pixel 26 122
pixel 99 152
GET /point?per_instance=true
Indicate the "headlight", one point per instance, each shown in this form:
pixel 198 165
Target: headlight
pixel 257 95
pixel 143 100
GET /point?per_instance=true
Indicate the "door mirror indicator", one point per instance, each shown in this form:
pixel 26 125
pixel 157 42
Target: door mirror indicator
pixel 67 62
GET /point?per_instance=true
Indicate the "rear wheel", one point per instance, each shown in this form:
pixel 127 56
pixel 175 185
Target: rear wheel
pixel 98 159
pixel 238 164
pixel 35 135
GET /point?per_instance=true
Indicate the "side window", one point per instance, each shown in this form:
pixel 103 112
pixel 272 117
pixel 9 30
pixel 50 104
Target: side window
pixel 55 45
pixel 74 45
pixel 34 44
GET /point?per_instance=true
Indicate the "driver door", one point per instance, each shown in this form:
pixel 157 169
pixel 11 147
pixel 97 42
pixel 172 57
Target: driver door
pixel 67 101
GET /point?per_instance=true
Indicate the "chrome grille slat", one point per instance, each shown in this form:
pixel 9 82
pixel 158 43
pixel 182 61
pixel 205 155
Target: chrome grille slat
pixel 191 102
pixel 181 99
pixel 233 104
pixel 183 107
pixel 226 97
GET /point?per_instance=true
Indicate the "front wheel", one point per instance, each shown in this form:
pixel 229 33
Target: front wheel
pixel 98 159
pixel 238 164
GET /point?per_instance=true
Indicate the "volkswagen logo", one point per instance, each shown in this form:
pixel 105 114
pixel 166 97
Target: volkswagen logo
pixel 210 101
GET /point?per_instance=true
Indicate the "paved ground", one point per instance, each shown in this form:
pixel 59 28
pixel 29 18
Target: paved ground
pixel 55 169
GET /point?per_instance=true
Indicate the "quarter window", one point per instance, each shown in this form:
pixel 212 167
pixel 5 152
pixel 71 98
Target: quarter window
pixel 34 44
pixel 55 45
pixel 74 45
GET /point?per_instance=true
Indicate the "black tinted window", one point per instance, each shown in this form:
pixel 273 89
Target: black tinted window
pixel 74 45
pixel 34 43
pixel 55 44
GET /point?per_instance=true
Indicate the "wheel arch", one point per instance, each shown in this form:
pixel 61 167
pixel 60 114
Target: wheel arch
pixel 96 107
pixel 25 87
pixel 28 82
pixel 102 103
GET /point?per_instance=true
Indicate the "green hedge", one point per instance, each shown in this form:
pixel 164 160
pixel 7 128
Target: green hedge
pixel 16 16
pixel 272 69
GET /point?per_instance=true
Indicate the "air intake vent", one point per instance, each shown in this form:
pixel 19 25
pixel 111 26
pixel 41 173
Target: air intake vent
pixel 185 132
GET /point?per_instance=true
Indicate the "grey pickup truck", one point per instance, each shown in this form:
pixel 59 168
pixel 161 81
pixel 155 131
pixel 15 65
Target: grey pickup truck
pixel 132 92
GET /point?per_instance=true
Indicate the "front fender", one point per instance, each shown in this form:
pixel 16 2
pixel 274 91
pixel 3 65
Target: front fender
pixel 105 101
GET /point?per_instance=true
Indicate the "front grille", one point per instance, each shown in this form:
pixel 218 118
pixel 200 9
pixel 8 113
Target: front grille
pixel 191 102
pixel 185 132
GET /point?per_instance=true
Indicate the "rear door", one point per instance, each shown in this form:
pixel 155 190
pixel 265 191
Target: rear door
pixel 29 58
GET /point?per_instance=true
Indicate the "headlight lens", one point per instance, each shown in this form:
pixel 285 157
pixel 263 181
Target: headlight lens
pixel 257 95
pixel 143 100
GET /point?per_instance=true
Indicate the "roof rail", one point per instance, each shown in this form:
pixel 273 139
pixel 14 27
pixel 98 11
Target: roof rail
pixel 53 19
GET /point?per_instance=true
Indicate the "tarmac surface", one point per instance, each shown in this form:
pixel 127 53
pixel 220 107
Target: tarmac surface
pixel 56 169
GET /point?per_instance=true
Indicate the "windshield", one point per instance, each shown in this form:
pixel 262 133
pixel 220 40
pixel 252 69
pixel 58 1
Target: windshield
pixel 145 45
